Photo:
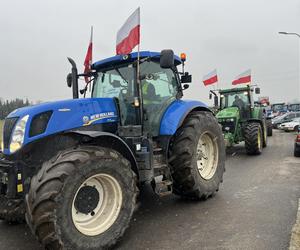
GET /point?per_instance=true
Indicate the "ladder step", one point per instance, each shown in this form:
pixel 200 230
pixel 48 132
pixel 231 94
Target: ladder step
pixel 162 187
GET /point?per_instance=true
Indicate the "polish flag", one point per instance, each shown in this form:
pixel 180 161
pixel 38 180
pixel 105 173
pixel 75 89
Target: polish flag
pixel 129 34
pixel 245 77
pixel 88 58
pixel 210 78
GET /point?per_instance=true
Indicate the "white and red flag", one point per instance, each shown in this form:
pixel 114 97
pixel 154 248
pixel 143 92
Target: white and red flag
pixel 88 58
pixel 245 77
pixel 210 78
pixel 129 34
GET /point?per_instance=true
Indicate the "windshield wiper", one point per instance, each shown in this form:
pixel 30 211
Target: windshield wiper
pixel 120 74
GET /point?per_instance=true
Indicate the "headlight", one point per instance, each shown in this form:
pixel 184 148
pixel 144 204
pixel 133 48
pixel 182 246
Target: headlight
pixel 18 134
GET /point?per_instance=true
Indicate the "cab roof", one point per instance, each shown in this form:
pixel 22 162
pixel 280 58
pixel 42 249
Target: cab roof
pixel 238 89
pixel 115 60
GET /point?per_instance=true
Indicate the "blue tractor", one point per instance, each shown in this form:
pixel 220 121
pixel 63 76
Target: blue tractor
pixel 73 168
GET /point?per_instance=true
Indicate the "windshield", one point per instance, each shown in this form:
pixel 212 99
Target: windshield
pixel 114 82
pixel 234 99
pixel 118 83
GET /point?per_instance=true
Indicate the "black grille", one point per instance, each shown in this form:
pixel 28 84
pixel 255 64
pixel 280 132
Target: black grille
pixel 229 124
pixel 9 125
pixel 39 123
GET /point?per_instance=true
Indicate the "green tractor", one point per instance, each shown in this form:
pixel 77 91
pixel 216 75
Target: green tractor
pixel 240 119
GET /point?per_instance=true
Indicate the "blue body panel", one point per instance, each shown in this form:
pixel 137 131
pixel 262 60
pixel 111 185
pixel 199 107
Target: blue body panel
pixel 175 114
pixel 132 57
pixel 69 114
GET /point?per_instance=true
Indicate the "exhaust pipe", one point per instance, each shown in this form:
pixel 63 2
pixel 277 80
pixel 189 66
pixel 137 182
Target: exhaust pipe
pixel 72 78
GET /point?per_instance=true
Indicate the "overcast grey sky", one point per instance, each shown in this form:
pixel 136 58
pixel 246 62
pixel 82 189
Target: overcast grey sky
pixel 233 35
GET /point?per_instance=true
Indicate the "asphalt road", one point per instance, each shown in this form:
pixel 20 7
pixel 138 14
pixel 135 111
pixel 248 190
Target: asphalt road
pixel 255 208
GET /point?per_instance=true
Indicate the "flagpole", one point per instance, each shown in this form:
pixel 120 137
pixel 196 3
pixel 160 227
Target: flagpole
pixel 92 31
pixel 139 84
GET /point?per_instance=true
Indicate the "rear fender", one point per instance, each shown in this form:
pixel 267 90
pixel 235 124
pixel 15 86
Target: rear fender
pixel 176 114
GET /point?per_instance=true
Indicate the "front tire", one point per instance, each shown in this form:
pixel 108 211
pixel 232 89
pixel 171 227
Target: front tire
pixel 253 138
pixel 83 198
pixel 197 156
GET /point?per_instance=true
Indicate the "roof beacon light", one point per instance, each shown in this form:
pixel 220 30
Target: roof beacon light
pixel 183 57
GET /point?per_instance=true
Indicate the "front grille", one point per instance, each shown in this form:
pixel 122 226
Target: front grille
pixel 9 125
pixel 228 124
pixel 39 123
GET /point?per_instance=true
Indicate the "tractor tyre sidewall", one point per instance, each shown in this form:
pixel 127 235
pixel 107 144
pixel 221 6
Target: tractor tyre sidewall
pixel 187 181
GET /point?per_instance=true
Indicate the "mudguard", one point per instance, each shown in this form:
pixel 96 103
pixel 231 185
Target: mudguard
pixel 176 113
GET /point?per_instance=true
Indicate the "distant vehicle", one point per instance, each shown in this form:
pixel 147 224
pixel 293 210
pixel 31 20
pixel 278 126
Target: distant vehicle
pixel 279 109
pixel 284 118
pixel 294 107
pixel 297 146
pixel 290 126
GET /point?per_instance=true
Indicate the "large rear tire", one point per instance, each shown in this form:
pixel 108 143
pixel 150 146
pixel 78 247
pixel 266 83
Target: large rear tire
pixel 197 156
pixel 12 210
pixel 253 138
pixel 83 198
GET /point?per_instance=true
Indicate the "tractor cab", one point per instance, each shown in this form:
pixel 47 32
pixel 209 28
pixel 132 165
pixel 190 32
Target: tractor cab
pixel 239 99
pixel 157 88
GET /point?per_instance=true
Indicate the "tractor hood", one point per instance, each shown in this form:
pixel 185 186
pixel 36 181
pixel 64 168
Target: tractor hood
pixel 54 117
pixel 230 112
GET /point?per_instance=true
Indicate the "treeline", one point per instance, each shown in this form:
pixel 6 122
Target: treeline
pixel 8 106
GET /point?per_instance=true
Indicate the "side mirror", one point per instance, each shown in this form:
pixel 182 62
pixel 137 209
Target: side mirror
pixel 167 59
pixel 257 90
pixel 216 101
pixel 74 78
pixel 186 78
pixel 69 80
pixel 185 86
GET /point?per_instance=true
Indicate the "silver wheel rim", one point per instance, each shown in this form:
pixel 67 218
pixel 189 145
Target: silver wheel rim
pixel 108 207
pixel 207 155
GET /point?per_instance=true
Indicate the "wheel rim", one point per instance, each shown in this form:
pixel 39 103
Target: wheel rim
pixel 207 155
pixel 96 204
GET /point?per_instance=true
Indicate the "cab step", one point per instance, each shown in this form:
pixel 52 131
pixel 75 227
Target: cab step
pixel 162 187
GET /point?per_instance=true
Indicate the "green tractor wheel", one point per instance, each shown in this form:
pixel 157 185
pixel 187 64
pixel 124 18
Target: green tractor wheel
pixel 253 138
pixel 269 128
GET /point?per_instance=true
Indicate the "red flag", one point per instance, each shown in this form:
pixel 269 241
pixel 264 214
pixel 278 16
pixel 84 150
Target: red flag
pixel 210 78
pixel 245 77
pixel 88 58
pixel 129 34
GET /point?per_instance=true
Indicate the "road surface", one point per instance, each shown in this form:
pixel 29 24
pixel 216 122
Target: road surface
pixel 255 208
